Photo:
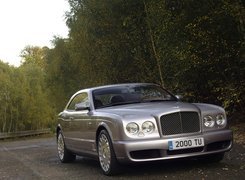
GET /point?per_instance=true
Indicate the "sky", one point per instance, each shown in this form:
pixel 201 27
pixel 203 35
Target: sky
pixel 29 22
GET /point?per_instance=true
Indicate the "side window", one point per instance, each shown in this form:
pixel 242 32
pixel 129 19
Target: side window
pixel 79 99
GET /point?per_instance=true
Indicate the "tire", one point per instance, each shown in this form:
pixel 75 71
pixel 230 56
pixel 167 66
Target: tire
pixel 213 158
pixel 107 158
pixel 64 155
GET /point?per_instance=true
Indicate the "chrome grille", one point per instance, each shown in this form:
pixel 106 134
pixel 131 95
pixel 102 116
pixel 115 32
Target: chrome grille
pixel 180 122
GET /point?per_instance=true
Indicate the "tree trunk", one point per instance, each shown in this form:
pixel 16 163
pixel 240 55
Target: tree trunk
pixel 156 56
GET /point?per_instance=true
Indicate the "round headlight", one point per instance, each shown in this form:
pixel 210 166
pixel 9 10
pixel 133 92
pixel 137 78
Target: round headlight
pixel 208 121
pixel 220 120
pixel 132 128
pixel 148 127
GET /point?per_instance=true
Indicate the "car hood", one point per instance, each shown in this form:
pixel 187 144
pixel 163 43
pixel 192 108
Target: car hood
pixel 153 108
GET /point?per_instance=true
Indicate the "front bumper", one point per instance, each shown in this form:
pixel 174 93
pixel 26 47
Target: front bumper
pixel 152 150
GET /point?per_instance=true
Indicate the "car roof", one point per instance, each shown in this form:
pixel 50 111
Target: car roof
pixel 114 85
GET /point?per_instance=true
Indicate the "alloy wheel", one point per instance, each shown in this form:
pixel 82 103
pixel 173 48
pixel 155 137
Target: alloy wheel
pixel 60 146
pixel 104 152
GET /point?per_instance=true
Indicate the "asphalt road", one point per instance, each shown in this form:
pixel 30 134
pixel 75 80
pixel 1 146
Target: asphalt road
pixel 37 159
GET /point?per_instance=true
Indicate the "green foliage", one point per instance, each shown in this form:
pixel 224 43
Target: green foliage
pixel 34 55
pixel 23 98
pixel 107 36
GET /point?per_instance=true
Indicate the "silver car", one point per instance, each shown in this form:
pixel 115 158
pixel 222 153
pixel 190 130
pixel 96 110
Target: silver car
pixel 137 123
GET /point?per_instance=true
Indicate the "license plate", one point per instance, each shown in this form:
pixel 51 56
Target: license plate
pixel 185 143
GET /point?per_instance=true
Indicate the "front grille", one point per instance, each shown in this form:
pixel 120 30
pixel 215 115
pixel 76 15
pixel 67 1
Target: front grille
pixel 180 122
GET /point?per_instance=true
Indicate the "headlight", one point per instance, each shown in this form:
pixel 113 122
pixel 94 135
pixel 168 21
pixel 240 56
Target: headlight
pixel 208 121
pixel 132 128
pixel 148 127
pixel 220 120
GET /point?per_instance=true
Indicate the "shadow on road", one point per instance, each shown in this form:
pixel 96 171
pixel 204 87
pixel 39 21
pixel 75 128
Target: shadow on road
pixel 173 168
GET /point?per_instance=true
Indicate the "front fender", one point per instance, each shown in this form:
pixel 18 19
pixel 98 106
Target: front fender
pixel 114 127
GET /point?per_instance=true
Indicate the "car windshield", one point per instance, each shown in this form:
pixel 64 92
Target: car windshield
pixel 129 94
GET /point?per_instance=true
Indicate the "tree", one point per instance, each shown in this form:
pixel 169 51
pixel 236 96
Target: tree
pixel 34 55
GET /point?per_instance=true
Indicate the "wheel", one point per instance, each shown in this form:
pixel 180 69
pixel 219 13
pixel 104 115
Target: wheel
pixel 107 157
pixel 213 158
pixel 64 154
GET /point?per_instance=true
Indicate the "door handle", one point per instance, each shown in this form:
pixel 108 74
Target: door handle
pixel 71 118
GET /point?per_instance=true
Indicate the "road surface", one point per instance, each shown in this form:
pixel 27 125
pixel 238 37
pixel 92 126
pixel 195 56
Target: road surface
pixel 37 159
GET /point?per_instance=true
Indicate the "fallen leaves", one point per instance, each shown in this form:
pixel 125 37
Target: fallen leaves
pixel 239 133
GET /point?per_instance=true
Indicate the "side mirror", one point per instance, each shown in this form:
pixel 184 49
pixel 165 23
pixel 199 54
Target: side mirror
pixel 81 107
pixel 179 97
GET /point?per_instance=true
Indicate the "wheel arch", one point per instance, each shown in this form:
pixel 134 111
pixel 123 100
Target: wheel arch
pixel 58 129
pixel 103 126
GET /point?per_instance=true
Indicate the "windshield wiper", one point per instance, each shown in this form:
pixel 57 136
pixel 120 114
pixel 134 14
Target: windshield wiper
pixel 124 103
pixel 158 100
pixel 119 103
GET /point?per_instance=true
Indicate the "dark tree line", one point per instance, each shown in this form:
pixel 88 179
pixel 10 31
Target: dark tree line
pixel 195 48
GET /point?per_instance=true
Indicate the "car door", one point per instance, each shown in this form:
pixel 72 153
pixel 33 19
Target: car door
pixel 67 122
pixel 80 122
